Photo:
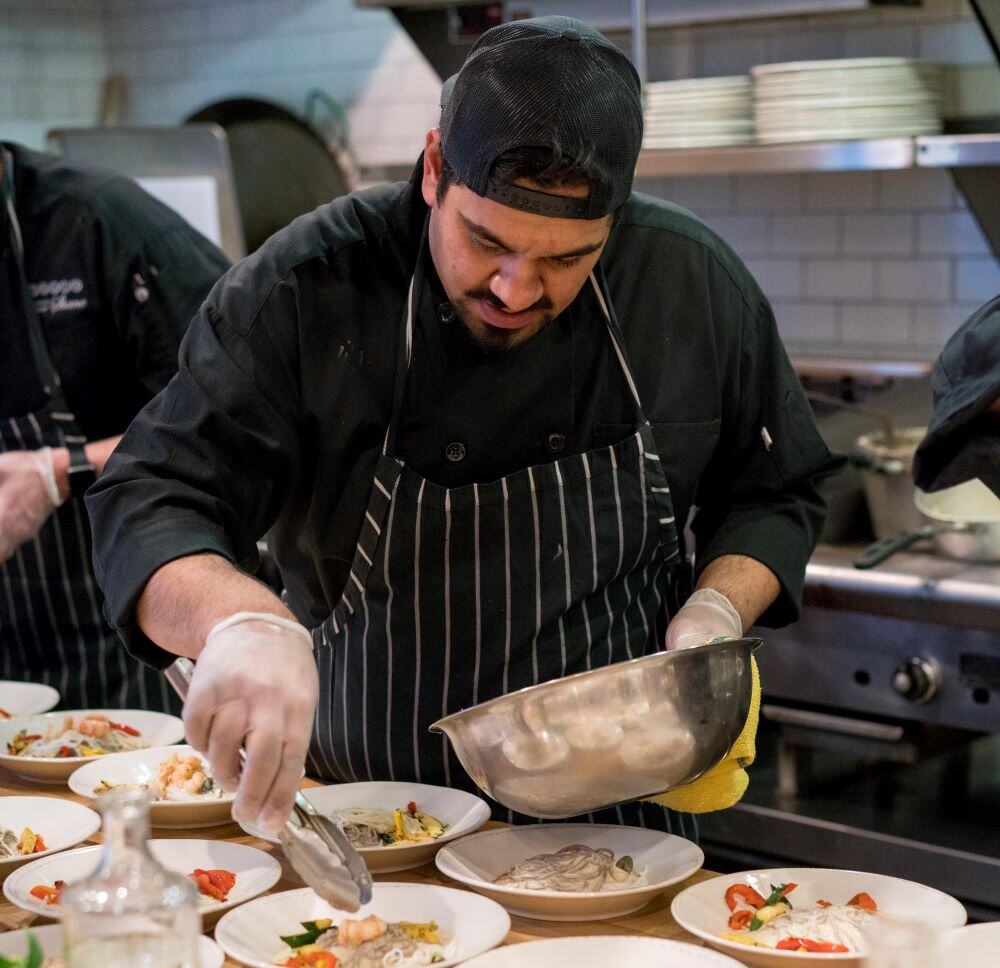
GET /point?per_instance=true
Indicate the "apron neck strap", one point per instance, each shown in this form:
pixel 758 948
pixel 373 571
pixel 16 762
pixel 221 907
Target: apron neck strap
pixel 48 376
pixel 615 332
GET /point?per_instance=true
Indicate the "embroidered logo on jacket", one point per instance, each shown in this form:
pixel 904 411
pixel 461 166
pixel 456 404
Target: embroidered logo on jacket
pixel 58 296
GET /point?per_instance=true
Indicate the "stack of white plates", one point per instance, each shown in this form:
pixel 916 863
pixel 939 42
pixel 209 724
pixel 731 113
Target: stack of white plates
pixel 868 97
pixel 699 112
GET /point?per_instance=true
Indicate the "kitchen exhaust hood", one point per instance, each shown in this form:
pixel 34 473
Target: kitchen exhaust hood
pixel 444 29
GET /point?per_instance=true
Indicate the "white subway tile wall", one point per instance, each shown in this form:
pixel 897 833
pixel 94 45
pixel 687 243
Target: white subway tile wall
pixel 52 60
pixel 869 264
pixel 860 264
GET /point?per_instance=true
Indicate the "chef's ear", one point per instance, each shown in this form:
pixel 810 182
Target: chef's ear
pixel 432 167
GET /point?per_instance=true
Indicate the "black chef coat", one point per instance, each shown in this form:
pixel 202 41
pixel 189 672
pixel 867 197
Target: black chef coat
pixel 116 277
pixel 278 411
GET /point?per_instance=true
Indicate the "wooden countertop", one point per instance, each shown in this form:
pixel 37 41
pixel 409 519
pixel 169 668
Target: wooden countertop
pixel 653 920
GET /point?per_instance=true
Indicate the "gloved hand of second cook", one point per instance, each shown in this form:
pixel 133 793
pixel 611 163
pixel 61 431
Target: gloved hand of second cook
pixel 255 685
pixel 705 616
pixel 28 495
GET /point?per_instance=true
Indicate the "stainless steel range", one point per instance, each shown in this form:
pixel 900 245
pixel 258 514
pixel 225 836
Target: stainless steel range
pixel 880 739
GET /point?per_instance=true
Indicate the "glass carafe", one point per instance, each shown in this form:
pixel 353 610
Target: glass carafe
pixel 130 912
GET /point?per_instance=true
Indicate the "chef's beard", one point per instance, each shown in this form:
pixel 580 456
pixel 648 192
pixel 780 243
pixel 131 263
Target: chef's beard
pixel 494 339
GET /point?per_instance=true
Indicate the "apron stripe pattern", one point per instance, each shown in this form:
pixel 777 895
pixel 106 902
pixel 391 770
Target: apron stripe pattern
pixel 459 595
pixel 51 624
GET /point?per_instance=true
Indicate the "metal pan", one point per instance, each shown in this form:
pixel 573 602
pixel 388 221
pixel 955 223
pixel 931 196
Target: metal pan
pixel 963 522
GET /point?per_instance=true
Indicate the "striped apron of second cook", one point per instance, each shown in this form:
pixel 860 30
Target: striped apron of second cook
pixel 51 626
pixel 459 595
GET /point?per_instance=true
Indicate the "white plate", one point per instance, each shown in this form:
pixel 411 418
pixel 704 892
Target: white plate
pixel 461 812
pixel 672 128
pixel 701 908
pixel 157 729
pixel 852 102
pixel 256 872
pixel 865 114
pixel 602 952
pixel 26 698
pixel 655 142
pixel 251 933
pixel 60 823
pixel 140 766
pixel 699 84
pixel 843 134
pixel 14 944
pixel 838 64
pixel 478 860
pixel 975 946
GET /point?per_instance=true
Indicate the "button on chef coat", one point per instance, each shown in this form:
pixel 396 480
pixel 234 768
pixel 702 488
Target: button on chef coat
pixel 276 418
pixel 491 413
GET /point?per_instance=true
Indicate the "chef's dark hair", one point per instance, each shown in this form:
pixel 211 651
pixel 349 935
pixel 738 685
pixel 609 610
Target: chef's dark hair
pixel 545 167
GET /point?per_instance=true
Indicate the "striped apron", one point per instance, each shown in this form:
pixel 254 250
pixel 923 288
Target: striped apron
pixel 51 626
pixel 459 595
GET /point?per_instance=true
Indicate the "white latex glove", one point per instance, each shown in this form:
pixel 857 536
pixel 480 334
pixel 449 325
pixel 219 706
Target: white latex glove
pixel 255 685
pixel 28 495
pixel 705 616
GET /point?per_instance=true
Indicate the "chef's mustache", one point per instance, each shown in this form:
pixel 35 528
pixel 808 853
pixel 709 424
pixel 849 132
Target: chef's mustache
pixel 544 304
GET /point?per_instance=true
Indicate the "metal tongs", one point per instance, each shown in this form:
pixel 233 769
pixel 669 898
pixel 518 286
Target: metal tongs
pixel 315 846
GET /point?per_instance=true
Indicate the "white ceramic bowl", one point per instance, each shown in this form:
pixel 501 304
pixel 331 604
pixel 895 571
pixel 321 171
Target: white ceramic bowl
pixel 626 951
pixel 256 872
pixel 478 860
pixel 701 908
pixel 975 946
pixel 461 812
pixel 251 933
pixel 26 698
pixel 14 944
pixel 156 729
pixel 141 766
pixel 60 823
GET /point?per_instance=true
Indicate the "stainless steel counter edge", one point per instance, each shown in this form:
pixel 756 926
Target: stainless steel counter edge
pixel 919 587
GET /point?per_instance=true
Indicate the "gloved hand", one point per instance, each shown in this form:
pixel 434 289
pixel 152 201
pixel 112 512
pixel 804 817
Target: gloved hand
pixel 723 785
pixel 705 616
pixel 255 685
pixel 28 495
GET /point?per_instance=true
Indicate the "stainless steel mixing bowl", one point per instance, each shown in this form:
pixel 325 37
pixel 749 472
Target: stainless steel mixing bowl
pixel 619 733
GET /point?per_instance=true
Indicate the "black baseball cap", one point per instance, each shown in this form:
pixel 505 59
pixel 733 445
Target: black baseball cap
pixel 552 83
pixel 961 441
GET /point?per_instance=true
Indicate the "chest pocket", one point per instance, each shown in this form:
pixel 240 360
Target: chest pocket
pixel 685 448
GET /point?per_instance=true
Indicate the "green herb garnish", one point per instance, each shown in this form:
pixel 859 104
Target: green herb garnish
pixel 313 930
pixel 32 960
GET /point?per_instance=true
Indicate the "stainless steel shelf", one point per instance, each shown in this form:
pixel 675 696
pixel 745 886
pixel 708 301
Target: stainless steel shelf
pixel 882 154
pixel 958 150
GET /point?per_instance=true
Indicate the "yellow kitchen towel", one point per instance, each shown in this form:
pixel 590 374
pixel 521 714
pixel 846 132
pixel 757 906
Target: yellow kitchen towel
pixel 723 785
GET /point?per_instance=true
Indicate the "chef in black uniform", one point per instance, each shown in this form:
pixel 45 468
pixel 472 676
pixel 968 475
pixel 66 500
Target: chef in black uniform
pixel 963 438
pixel 98 282
pixel 472 412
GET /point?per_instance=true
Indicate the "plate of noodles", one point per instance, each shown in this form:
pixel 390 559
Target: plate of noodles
pixel 395 826
pixel 48 748
pixel 403 925
pixel 569 871
pixel 33 827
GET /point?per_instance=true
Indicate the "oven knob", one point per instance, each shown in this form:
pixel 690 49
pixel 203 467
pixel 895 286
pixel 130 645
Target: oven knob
pixel 916 679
